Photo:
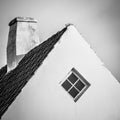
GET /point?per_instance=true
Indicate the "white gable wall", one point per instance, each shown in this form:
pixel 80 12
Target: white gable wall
pixel 43 98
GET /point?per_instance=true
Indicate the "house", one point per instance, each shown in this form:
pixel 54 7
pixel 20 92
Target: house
pixel 59 79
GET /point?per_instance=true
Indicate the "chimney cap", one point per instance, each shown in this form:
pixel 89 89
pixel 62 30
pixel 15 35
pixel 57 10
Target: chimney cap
pixel 22 19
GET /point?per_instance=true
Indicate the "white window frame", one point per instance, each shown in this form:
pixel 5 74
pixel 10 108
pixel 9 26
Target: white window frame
pixel 81 78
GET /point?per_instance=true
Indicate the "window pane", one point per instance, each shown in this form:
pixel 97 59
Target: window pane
pixel 79 85
pixel 66 85
pixel 73 92
pixel 72 78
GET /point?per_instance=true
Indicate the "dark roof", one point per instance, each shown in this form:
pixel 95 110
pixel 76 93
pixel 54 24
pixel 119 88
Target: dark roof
pixel 3 71
pixel 12 83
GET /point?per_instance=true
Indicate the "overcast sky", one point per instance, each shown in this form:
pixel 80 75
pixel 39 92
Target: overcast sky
pixel 97 20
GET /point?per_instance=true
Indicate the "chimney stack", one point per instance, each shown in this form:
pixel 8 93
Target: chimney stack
pixel 22 38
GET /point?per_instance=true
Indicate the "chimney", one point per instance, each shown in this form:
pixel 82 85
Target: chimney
pixel 22 38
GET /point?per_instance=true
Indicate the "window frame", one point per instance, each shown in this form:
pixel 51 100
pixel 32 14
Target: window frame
pixel 81 79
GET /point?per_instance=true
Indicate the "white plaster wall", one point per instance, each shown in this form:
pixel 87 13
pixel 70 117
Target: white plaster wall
pixel 44 99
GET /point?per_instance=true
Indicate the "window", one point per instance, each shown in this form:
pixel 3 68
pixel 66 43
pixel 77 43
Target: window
pixel 75 84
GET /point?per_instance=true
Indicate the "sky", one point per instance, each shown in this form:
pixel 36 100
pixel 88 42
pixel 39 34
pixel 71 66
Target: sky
pixel 97 20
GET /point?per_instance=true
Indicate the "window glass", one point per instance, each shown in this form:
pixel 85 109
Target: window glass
pixel 73 92
pixel 72 78
pixel 79 85
pixel 66 85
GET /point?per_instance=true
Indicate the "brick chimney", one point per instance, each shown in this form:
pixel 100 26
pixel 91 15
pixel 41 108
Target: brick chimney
pixel 22 38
